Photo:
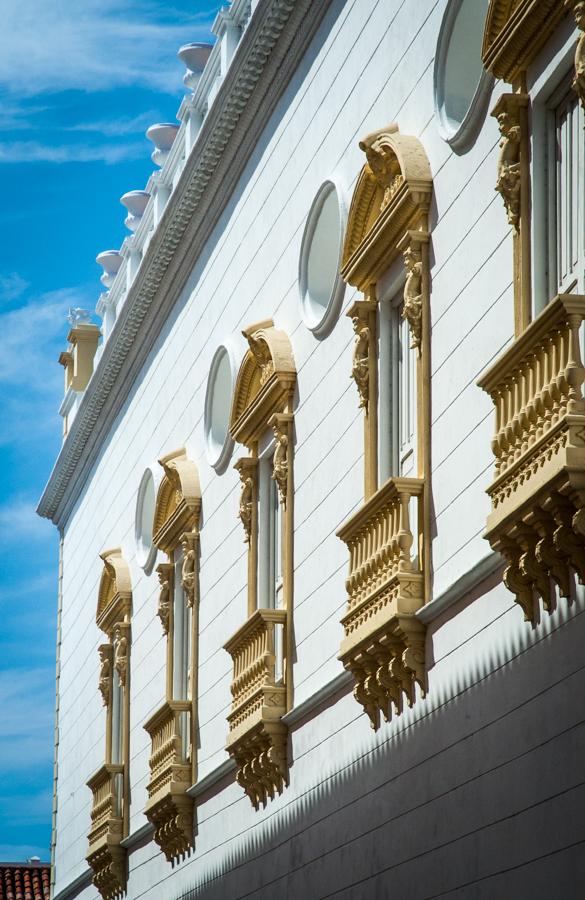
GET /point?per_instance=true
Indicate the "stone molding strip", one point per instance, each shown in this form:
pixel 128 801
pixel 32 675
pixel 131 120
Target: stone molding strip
pixel 269 53
pixel 464 585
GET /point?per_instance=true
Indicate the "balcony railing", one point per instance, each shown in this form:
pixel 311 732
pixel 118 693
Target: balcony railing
pixel 257 737
pixel 105 855
pixel 168 807
pixel 383 645
pixel 538 493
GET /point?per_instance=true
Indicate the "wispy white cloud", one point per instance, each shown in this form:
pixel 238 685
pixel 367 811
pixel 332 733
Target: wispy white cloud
pixel 27 716
pixel 18 521
pixel 35 151
pixel 48 46
pixel 118 127
pixel 12 286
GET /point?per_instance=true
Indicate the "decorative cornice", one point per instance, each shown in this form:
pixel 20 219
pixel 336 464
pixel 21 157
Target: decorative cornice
pixel 269 52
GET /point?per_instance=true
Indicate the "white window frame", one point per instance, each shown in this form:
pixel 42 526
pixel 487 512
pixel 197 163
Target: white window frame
pixel 395 456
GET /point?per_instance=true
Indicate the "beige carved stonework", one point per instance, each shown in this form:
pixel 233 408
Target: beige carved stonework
pixel 265 383
pixel 110 785
pixel 247 468
pixel 257 736
pixel 173 753
pixel 169 808
pixel 165 572
pixel 105 683
pixel 384 643
pixel 281 424
pixel 189 580
pixel 538 493
pixel 263 400
pixel 360 367
pixel 515 32
pixel 105 855
pixel 577 7
pixel 413 246
pixel 507 112
pixel 178 500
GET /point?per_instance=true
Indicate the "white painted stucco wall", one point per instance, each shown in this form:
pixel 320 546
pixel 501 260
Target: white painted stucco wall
pixel 471 780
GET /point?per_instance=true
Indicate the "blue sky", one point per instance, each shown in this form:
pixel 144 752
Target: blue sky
pixel 79 84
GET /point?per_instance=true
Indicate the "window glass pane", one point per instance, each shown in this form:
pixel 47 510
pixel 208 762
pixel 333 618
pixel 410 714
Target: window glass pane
pixel 569 193
pixel 181 637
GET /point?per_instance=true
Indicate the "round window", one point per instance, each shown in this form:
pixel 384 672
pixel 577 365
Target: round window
pixel 462 85
pixel 218 400
pixel 143 523
pixel 320 282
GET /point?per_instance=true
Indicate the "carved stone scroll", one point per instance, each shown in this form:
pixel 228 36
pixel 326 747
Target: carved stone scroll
pixel 414 253
pixel 509 180
pixel 105 683
pixel 538 491
pixel 190 545
pixel 121 644
pixel 165 572
pixel 281 424
pixel 360 367
pixel 247 468
pixel 578 9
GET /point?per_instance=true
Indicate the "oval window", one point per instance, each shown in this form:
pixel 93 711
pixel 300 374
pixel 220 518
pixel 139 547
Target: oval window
pixel 462 85
pixel 144 521
pixel 218 400
pixel 320 283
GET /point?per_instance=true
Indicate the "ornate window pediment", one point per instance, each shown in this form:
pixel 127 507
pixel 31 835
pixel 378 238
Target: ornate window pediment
pixel 261 649
pixel 515 31
pixel 384 643
pixel 392 195
pixel 110 784
pixel 178 501
pixel 265 382
pixel 173 760
pixel 115 591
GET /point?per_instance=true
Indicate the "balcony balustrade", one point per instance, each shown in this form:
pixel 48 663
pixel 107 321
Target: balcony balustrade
pixel 383 645
pixel 257 736
pixel 169 808
pixel 105 855
pixel 538 494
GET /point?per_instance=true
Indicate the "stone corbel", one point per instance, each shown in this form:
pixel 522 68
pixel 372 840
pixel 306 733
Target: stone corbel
pixel 247 468
pixel 510 111
pixel 121 650
pixel 281 424
pixel 577 7
pixel 513 183
pixel 414 251
pixel 190 544
pixel 106 653
pixel 165 572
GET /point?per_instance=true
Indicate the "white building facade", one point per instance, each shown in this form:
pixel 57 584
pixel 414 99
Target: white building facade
pixel 341 347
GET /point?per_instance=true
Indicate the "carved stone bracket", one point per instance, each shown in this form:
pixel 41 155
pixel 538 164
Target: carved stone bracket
pixel 384 643
pixel 169 808
pixel 247 468
pixel 577 7
pixel 363 317
pixel 257 737
pixel 281 424
pixel 538 493
pixel 121 650
pixel 106 652
pixel 413 246
pixel 190 545
pixel 165 572
pixel 510 111
pixel 105 855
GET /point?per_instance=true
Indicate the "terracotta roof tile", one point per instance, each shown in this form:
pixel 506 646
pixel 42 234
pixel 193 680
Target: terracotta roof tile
pixel 24 881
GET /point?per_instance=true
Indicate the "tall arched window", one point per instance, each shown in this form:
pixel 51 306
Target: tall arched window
pixel 262 420
pixel 172 728
pixel 110 786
